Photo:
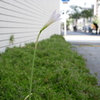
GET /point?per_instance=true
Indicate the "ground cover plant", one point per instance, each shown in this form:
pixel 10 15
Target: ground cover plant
pixel 59 73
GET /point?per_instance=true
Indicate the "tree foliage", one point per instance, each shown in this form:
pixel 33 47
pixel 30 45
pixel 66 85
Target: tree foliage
pixel 86 13
pixel 79 12
pixel 75 13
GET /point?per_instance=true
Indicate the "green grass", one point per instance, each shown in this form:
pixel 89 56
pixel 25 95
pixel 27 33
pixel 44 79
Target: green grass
pixel 59 73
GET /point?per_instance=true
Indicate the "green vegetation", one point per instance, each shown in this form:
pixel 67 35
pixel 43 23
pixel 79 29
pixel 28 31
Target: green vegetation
pixel 59 73
pixel 96 19
pixel 11 39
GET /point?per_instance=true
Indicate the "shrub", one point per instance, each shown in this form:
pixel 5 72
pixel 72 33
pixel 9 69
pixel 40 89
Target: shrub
pixel 59 73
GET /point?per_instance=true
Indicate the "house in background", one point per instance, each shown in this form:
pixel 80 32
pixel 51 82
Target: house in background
pixel 21 20
pixel 97 10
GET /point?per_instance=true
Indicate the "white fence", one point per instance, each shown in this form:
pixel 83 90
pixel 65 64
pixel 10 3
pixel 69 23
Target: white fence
pixel 22 20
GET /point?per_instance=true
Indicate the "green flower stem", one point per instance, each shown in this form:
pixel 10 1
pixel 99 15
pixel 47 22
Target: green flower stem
pixel 37 40
pixel 32 74
pixel 27 97
pixel 33 65
pixel 36 43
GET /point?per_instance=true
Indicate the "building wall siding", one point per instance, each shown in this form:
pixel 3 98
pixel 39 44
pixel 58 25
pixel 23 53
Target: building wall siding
pixel 23 19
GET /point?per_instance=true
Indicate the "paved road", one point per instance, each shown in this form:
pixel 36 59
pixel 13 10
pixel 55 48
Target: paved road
pixel 89 48
pixel 81 33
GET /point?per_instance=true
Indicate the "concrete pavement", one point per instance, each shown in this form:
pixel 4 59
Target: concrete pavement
pixel 89 48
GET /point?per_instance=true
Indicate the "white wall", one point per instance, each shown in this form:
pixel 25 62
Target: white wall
pixel 24 18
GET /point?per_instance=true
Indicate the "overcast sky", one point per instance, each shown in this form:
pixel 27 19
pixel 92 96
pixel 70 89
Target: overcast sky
pixel 81 3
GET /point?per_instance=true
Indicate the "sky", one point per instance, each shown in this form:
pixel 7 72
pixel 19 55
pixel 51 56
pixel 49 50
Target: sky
pixel 81 3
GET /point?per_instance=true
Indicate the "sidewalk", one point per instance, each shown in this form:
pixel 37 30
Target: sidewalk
pixel 89 48
pixel 83 38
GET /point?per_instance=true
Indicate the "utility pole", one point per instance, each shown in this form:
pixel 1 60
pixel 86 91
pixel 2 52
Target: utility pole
pixel 65 4
pixel 84 17
pixel 65 29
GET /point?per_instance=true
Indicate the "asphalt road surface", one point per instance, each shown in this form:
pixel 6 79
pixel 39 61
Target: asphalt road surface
pixel 81 33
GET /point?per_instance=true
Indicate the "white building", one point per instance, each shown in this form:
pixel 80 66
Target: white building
pixel 21 20
pixel 97 10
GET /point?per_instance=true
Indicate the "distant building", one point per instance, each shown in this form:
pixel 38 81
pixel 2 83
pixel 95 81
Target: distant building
pixel 97 7
pixel 97 10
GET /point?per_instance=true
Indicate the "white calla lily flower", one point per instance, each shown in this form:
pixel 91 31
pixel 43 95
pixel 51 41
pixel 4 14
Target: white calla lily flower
pixel 54 17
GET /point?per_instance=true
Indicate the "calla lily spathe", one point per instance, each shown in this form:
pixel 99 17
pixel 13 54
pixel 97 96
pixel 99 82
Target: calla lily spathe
pixel 54 17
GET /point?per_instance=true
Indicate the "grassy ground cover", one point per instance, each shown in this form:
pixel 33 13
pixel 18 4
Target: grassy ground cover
pixel 59 73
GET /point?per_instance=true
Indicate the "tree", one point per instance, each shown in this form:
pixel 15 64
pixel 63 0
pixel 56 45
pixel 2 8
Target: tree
pixel 86 13
pixel 75 13
pixel 78 12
